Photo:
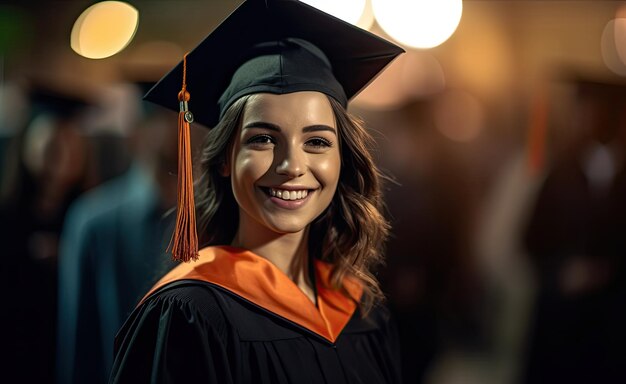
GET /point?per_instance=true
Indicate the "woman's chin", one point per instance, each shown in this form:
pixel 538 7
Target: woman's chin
pixel 287 226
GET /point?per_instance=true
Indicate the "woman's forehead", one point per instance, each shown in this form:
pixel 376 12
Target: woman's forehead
pixel 306 108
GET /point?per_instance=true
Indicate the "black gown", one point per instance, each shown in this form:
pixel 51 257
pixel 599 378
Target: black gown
pixel 235 318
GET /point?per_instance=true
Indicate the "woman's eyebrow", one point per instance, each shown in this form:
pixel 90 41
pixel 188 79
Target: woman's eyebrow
pixel 262 124
pixel 319 127
pixel 274 127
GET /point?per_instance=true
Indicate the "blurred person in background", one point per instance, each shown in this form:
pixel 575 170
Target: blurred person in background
pixel 46 171
pixel 577 244
pixel 111 129
pixel 430 274
pixel 113 243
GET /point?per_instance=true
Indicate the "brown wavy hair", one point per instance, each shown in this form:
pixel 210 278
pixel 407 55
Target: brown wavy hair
pixel 350 234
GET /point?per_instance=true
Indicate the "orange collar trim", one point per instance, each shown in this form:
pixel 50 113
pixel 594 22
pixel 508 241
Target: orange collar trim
pixel 257 280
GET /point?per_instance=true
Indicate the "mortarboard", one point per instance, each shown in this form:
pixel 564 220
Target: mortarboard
pixel 273 30
pixel 264 46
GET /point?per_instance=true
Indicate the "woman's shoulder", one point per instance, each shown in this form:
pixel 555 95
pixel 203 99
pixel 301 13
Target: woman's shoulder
pixel 186 302
pixel 187 295
pixel 182 317
pixel 211 307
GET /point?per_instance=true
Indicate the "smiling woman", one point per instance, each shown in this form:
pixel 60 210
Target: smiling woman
pixel 288 155
pixel 289 206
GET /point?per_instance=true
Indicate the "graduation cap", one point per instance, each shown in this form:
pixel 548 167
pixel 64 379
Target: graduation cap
pixel 275 46
pixel 264 46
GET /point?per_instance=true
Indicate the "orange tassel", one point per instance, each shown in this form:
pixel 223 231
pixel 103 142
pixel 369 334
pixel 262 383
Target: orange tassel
pixel 184 242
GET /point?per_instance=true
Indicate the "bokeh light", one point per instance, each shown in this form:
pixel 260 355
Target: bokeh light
pixel 620 38
pixel 37 136
pixel 418 23
pixel 367 18
pixel 347 10
pixel 104 29
pixel 422 75
pixel 459 116
pixel 613 35
pixel 413 75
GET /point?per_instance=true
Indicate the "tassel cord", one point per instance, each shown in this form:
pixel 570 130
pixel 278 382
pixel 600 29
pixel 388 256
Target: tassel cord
pixel 184 241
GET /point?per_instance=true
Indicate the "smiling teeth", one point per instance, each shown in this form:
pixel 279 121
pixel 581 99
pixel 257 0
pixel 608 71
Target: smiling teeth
pixel 289 195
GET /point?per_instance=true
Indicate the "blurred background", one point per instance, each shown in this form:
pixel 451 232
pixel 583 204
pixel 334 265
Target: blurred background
pixel 503 128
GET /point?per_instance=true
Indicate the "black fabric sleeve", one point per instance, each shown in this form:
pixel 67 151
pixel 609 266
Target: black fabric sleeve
pixel 387 342
pixel 176 336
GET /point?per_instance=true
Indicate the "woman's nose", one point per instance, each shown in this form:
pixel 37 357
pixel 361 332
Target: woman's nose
pixel 292 163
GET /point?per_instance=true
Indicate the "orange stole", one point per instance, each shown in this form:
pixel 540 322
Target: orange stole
pixel 257 280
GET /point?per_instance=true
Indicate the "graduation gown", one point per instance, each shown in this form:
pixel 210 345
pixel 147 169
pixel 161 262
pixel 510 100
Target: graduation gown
pixel 233 317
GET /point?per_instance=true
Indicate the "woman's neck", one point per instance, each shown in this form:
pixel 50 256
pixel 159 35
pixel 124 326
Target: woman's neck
pixel 288 252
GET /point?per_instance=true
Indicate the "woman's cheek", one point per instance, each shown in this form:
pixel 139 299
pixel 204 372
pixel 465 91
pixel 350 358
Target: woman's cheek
pixel 328 170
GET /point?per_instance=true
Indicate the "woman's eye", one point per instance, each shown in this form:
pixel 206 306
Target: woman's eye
pixel 261 140
pixel 319 142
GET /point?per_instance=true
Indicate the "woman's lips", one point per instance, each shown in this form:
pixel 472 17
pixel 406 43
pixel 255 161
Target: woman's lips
pixel 289 194
pixel 283 197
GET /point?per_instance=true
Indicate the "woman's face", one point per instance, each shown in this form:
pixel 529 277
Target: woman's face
pixel 285 161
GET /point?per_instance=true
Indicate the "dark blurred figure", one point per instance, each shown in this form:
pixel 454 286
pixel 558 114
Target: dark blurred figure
pixel 14 113
pixel 577 241
pixel 113 242
pixel 111 128
pixel 429 278
pixel 46 172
